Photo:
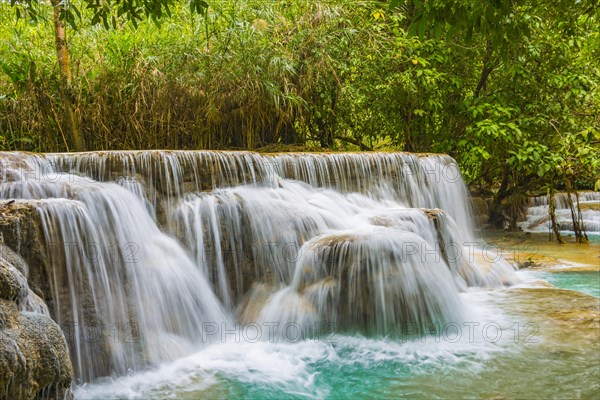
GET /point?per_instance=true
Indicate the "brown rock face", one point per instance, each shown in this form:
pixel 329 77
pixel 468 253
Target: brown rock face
pixel 20 228
pixel 34 359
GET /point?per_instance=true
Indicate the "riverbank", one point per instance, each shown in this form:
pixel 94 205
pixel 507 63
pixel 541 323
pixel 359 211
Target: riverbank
pixel 534 251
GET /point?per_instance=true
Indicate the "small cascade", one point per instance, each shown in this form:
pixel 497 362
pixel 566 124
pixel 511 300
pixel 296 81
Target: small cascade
pixel 426 181
pixel 250 234
pixel 167 174
pixel 376 280
pixel 319 256
pixel 153 245
pixel 136 187
pixel 537 216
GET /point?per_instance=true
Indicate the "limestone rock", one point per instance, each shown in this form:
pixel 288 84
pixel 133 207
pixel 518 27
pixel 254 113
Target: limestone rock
pixel 13 285
pixel 34 359
pixel 21 230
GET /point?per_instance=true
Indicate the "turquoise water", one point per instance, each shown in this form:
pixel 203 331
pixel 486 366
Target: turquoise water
pixel 361 368
pixel 587 282
pixel 354 367
pixel 551 361
pixel 542 363
pixel 593 237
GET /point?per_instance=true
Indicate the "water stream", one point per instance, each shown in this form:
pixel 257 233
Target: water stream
pixel 187 274
pixel 537 217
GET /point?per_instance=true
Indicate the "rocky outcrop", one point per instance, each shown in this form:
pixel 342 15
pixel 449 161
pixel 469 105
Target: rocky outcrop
pixel 20 228
pixel 34 359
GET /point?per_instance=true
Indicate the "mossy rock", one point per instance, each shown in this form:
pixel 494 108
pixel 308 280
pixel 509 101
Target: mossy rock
pixel 20 228
pixel 13 285
pixel 34 359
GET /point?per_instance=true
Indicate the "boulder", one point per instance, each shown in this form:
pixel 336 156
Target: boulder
pixel 20 228
pixel 34 359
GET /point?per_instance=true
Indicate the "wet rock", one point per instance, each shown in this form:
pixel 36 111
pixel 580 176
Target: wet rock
pixel 529 263
pixel 432 213
pixel 481 210
pixel 590 206
pixel 13 285
pixel 253 302
pixel 14 259
pixel 34 359
pixel 21 229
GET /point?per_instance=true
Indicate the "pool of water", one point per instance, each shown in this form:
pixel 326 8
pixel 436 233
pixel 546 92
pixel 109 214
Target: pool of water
pixel 527 341
pixel 515 343
pixel 593 237
pixel 587 282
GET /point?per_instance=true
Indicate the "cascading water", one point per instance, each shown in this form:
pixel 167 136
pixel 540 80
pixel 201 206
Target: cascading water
pixel 428 181
pixel 168 242
pixel 386 261
pixel 127 294
pixel 537 216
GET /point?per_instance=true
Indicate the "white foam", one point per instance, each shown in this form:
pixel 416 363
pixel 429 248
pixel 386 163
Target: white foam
pixel 294 368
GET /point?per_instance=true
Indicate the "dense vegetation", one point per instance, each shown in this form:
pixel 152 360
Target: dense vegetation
pixel 507 87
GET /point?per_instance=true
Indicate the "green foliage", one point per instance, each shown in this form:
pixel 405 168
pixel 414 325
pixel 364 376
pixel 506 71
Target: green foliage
pixel 109 13
pixel 509 88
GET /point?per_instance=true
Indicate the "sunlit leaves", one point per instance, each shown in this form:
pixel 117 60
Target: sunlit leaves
pixel 108 13
pixel 198 6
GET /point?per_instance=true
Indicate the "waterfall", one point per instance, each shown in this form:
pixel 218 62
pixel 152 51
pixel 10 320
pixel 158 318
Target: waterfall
pixel 537 216
pixel 161 243
pixel 368 279
pixel 126 294
pixel 427 181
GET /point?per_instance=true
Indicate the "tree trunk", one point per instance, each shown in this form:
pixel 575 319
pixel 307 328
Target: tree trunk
pixel 580 219
pixel 486 70
pixel 62 52
pixel 497 217
pixel 552 209
pixel 580 235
